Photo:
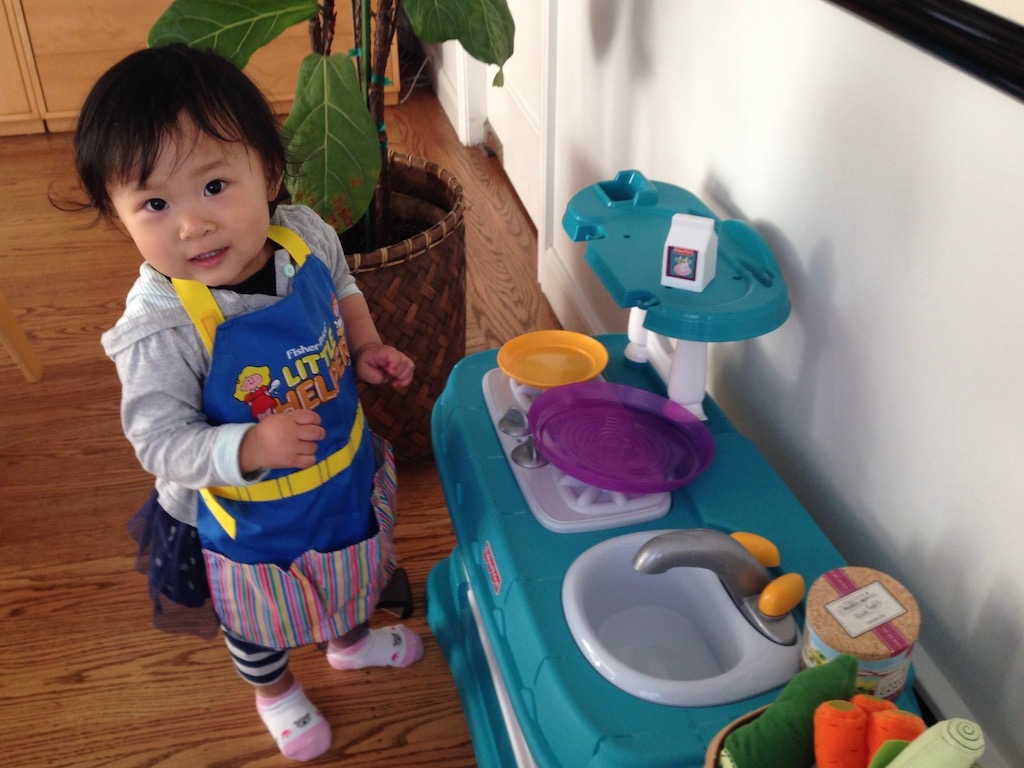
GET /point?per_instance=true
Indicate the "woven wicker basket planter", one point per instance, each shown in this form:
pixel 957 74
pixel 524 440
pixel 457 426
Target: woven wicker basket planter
pixel 416 290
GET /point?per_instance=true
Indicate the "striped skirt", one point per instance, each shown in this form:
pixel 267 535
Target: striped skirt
pixel 321 595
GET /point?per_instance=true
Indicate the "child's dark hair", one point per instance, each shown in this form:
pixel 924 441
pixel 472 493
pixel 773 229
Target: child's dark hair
pixel 143 99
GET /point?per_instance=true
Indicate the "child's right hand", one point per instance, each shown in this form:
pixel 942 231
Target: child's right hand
pixel 281 441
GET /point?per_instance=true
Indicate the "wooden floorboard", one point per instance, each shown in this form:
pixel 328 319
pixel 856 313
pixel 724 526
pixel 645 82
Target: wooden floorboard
pixel 85 680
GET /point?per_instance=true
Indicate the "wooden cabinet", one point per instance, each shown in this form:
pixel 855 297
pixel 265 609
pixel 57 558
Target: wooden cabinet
pixel 18 110
pixel 64 47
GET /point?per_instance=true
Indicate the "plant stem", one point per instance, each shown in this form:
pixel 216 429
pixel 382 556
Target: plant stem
pixel 330 17
pixel 365 45
pixel 384 32
pixel 321 29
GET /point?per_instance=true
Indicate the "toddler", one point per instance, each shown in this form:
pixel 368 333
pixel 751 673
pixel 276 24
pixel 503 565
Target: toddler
pixel 238 353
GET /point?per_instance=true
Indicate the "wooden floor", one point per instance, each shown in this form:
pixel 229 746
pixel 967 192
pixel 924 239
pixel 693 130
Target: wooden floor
pixel 84 678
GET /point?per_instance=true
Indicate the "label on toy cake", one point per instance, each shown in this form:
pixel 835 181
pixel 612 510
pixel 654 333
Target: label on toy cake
pixel 865 609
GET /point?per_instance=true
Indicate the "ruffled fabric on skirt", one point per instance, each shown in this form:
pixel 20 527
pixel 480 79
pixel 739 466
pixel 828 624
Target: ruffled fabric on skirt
pixel 171 557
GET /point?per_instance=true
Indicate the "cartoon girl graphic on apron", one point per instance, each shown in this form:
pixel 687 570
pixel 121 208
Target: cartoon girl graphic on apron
pixel 301 556
pixel 255 390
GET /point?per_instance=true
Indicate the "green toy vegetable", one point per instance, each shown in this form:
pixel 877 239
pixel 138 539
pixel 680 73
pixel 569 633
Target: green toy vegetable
pixel 783 736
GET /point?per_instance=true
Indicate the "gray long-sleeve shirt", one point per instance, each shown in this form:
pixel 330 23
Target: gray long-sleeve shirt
pixel 162 364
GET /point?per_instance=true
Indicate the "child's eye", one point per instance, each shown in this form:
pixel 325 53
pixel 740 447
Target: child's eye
pixel 156 204
pixel 214 187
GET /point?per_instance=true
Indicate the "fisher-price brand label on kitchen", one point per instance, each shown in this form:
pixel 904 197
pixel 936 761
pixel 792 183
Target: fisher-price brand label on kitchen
pixel 492 568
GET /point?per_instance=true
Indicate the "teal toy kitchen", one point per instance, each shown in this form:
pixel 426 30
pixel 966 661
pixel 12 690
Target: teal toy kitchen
pixel 598 609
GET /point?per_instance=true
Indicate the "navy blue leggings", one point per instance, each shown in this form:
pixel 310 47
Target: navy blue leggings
pixel 256 664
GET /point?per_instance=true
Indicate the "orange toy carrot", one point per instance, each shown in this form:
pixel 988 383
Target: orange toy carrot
pixel 892 724
pixel 840 735
pixel 870 703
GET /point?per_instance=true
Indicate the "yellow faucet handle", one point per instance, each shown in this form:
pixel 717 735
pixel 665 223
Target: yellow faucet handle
pixel 766 553
pixel 782 595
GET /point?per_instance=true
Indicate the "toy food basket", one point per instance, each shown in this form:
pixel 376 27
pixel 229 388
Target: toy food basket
pixel 715 747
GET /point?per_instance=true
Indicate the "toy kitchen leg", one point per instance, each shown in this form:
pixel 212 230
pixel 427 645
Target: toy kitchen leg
pixel 680 362
pixel 454 620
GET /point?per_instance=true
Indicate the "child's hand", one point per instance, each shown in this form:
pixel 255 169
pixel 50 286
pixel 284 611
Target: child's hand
pixel 378 363
pixel 282 441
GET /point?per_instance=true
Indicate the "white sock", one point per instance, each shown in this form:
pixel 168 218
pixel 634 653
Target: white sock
pixel 297 726
pixel 396 646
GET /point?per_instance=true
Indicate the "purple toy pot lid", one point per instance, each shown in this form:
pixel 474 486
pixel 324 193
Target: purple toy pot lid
pixel 620 438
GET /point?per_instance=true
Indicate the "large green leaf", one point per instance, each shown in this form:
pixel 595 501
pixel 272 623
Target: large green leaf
pixel 485 28
pixel 233 28
pixel 333 141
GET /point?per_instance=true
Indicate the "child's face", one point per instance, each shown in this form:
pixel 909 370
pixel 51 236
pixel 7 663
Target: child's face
pixel 203 213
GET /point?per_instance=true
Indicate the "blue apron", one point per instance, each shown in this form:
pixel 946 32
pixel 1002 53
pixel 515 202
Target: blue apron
pixel 301 556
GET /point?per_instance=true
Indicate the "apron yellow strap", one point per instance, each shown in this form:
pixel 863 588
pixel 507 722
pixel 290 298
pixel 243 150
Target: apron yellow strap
pixel 202 309
pixel 221 515
pixel 302 480
pixel 289 485
pixel 290 241
pixel 199 302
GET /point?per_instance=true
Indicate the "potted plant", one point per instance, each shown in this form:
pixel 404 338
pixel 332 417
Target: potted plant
pixel 337 139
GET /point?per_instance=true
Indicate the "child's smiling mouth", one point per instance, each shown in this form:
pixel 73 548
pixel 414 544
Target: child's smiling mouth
pixel 208 259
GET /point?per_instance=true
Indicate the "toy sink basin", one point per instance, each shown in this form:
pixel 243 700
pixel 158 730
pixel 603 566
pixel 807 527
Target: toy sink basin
pixel 674 638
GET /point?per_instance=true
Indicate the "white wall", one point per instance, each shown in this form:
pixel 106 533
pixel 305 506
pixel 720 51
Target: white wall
pixel 514 112
pixel 891 187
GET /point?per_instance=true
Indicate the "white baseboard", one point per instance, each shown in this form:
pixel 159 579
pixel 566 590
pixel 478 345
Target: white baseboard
pixel 460 84
pixel 942 699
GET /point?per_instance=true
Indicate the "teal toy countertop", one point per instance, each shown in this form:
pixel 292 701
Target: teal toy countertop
pixel 625 222
pixel 569 714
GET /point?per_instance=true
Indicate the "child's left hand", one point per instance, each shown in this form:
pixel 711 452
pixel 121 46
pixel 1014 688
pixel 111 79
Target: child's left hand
pixel 378 363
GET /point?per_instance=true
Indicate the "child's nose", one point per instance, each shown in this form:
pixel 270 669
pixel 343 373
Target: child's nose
pixel 193 224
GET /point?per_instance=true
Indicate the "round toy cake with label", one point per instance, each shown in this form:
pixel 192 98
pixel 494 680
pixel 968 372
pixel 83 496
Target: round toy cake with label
pixel 868 615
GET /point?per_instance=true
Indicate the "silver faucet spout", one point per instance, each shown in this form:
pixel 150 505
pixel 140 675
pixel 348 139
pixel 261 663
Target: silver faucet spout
pixel 740 572
pixel 743 577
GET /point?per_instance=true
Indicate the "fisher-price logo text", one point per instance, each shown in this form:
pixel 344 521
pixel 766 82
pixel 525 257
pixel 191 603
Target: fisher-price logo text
pixel 492 568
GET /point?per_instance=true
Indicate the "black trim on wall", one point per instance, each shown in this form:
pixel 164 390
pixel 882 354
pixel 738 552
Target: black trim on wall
pixel 982 43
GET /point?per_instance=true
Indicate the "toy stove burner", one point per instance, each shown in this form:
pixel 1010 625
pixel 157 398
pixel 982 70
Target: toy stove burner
pixel 559 501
